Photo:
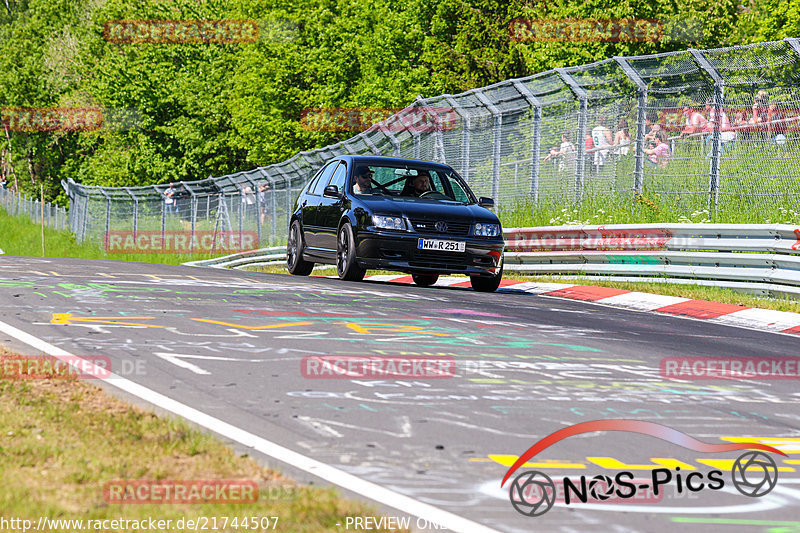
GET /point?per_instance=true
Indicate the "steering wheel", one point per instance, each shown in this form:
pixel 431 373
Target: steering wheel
pixel 426 193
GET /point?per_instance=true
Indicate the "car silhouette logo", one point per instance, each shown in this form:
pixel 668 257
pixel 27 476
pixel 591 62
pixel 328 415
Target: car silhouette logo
pixel 441 226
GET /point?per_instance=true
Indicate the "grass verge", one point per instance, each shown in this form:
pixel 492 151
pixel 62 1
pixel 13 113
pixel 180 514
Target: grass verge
pixel 63 440
pixel 22 237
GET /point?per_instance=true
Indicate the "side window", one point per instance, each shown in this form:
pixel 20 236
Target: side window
pixel 339 176
pixel 322 180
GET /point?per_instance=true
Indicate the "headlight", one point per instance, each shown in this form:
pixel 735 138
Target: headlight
pixel 486 230
pixel 383 222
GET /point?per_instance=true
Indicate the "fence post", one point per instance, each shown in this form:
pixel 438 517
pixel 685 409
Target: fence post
pixel 716 153
pixel 288 183
pixel 536 138
pixel 254 188
pixel 272 203
pixel 794 42
pixel 108 217
pixel 465 136
pixel 641 118
pixel 497 133
pixel 135 213
pixel 583 111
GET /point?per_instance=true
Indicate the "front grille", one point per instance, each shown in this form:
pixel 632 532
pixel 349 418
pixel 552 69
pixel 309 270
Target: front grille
pixel 436 259
pixel 429 226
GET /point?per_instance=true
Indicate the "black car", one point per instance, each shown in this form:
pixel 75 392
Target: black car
pixel 418 217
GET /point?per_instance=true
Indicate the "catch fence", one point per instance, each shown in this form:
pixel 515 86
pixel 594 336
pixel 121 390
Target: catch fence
pixel 526 143
pixel 15 204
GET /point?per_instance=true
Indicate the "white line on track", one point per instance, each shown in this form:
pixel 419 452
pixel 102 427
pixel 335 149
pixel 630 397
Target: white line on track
pixel 333 475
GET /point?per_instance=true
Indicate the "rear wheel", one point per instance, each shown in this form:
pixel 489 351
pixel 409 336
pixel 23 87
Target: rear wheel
pixel 295 263
pixel 486 284
pixel 425 280
pixel 346 260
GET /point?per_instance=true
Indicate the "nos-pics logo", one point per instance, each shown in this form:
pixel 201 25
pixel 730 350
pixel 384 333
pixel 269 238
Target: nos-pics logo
pixel 533 493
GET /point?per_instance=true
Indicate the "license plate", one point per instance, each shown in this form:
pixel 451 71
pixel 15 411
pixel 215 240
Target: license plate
pixel 441 246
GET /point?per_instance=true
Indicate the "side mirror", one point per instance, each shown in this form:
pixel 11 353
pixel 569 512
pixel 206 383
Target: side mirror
pixel 331 191
pixel 485 202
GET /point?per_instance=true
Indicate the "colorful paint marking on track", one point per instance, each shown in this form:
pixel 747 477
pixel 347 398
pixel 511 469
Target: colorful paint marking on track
pixel 733 315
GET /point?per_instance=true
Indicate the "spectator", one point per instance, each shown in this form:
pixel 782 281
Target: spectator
pixel 588 144
pixel 652 125
pixel 726 133
pixel 695 122
pixel 265 201
pixel 776 122
pixel 601 136
pixel 169 201
pixel 740 120
pixel 660 154
pixel 566 152
pixel 622 138
pixel 760 108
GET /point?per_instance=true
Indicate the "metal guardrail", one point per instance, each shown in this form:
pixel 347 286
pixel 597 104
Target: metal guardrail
pixel 762 259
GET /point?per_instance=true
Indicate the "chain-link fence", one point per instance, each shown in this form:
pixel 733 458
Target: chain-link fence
pixel 705 129
pixel 54 217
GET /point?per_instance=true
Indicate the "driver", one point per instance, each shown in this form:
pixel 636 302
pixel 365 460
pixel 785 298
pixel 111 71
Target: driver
pixel 419 184
pixel 363 183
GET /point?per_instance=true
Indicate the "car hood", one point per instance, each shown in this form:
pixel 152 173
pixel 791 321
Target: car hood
pixel 430 209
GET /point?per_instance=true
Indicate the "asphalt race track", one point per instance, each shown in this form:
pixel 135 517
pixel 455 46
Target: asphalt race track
pixel 226 349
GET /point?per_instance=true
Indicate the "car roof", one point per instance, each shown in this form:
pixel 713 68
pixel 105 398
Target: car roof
pixel 389 161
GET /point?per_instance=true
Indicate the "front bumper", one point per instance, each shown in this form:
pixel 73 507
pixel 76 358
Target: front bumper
pixel 398 251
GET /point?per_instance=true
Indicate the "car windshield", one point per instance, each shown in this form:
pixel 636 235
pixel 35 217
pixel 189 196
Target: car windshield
pixel 411 183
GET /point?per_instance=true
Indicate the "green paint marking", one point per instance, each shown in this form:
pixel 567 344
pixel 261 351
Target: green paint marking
pixel 40 294
pixel 733 521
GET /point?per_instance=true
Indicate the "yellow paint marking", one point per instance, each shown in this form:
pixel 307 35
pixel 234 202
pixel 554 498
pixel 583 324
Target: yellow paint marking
pixel 69 318
pixel 727 464
pixel 610 463
pixel 361 327
pixel 785 444
pixel 508 460
pixel 272 326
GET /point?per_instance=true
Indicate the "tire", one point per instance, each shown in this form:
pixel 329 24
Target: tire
pixel 346 259
pixel 425 280
pixel 486 284
pixel 295 263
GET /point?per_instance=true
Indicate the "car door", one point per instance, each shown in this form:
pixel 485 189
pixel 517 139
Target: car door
pixel 310 206
pixel 330 212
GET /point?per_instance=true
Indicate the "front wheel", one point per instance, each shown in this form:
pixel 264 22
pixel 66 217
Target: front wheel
pixel 346 260
pixel 425 280
pixel 486 284
pixel 295 263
